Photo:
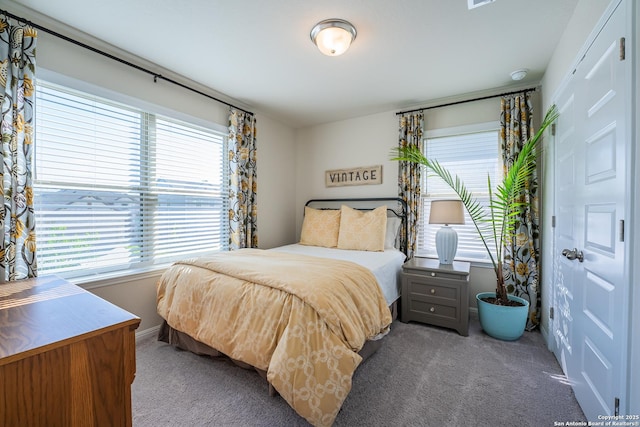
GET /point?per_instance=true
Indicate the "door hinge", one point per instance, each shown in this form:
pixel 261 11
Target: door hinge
pixel 553 129
pixel 621 230
pixel 550 312
pixel 622 49
pixel 616 410
pixel 553 221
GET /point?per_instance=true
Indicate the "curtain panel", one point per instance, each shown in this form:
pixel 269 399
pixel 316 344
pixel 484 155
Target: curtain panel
pixel 17 95
pixel 522 254
pixel 243 182
pixel 411 126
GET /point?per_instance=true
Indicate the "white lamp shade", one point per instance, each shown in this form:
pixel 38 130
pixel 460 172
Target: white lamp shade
pixel 333 36
pixel 446 212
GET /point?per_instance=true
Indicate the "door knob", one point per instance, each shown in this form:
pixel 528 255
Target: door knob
pixel 573 254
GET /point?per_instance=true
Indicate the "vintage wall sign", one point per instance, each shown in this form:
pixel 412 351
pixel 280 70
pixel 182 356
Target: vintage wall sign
pixel 353 176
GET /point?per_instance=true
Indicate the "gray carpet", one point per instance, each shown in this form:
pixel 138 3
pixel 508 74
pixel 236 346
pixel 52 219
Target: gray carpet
pixel 422 376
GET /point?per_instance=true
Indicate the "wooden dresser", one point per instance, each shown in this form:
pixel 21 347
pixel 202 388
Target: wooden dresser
pixel 67 357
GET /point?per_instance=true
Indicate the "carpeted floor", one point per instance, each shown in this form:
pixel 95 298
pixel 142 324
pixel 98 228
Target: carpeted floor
pixel 422 376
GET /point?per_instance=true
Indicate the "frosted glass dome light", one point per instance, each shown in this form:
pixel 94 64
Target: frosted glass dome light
pixel 333 36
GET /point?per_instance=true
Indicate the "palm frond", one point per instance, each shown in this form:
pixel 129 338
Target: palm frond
pixel 476 211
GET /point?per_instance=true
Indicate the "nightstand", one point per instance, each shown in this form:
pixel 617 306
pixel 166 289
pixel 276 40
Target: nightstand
pixel 436 294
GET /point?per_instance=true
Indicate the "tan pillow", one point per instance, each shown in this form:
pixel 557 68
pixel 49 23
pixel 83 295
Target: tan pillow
pixel 320 227
pixel 362 231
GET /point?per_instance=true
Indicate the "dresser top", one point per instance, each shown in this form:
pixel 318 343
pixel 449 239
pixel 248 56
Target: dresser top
pixel 41 313
pixel 432 264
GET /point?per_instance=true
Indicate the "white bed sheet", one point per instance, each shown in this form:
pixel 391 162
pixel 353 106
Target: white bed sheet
pixel 385 266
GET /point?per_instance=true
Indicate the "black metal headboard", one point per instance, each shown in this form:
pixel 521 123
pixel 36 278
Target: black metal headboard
pixel 395 207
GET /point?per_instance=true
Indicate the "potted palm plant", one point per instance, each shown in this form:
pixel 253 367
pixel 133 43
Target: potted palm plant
pixel 501 315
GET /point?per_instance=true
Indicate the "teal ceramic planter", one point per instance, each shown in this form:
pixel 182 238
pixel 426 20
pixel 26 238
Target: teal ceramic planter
pixel 502 322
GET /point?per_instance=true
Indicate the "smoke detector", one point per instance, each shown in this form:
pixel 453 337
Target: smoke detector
pixel 472 4
pixel 519 74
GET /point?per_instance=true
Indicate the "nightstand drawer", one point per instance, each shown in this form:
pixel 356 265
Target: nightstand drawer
pixel 419 286
pixel 434 274
pixel 429 312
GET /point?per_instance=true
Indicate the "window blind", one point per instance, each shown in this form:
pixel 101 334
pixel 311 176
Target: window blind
pixel 473 157
pixel 117 188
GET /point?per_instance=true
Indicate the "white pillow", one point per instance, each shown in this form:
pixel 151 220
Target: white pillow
pixel 393 228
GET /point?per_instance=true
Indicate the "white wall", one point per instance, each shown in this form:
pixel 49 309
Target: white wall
pixel 276 184
pixel 276 198
pixel 364 141
pixel 584 19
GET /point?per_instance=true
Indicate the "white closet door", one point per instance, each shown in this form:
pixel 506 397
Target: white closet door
pixel 591 280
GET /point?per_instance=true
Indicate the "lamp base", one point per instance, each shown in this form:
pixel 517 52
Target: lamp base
pixel 446 244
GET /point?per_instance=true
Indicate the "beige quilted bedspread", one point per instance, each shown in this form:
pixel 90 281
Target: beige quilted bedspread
pixel 300 318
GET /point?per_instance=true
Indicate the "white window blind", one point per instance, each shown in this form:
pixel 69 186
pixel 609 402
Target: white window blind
pixel 472 156
pixel 117 188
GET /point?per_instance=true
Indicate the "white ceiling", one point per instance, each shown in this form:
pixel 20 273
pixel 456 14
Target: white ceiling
pixel 407 52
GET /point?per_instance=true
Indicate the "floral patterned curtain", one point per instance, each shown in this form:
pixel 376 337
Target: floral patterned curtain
pixel 17 95
pixel 409 174
pixel 522 255
pixel 243 182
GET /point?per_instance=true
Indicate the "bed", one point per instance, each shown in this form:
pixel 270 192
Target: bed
pixel 303 315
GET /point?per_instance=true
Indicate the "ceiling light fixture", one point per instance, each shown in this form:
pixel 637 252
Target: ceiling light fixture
pixel 519 74
pixel 333 36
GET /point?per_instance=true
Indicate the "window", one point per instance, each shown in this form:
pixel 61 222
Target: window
pixel 117 188
pixel 472 154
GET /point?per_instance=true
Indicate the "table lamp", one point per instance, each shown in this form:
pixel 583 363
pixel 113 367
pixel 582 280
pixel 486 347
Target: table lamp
pixel 446 212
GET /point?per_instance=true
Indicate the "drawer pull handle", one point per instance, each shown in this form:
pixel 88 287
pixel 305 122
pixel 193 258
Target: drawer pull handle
pixel 432 309
pixel 433 274
pixel 433 291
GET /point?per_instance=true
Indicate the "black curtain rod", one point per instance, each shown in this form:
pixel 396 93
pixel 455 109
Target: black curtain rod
pixel 156 76
pixel 531 89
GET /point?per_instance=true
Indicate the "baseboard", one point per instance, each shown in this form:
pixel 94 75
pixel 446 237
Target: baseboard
pixel 547 338
pixel 147 333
